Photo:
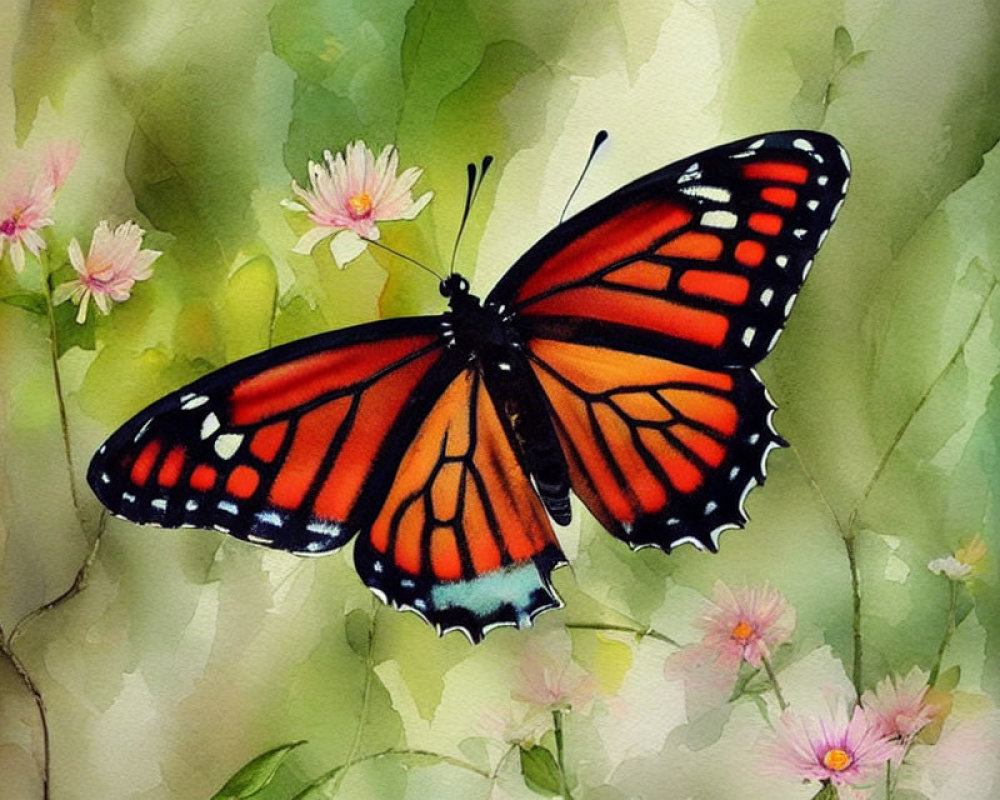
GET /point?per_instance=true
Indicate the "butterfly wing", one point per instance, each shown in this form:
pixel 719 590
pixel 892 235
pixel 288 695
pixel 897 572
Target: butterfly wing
pixel 462 538
pixel 643 314
pixel 290 448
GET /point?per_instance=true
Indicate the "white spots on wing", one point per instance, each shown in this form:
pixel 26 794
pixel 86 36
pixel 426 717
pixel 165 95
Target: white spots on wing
pixel 692 173
pixel 710 506
pixel 102 449
pixel 377 566
pixel 843 189
pixel 228 507
pixel 324 528
pixel 733 473
pixel 789 303
pixel 270 518
pixel 836 209
pixel 420 603
pixel 503 366
pixel 806 268
pixel 812 205
pixel 803 144
pixel 822 180
pixel 719 219
pixel 744 154
pixel 756 145
pixel 799 233
pixel 781 261
pixel 748 335
pixel 159 503
pixel 256 539
pixel 822 238
pixel 142 430
pixel 715 193
pixel 105 478
pixel 774 340
pixel 128 498
pixel 227 445
pixel 221 528
pixel 193 401
pixel 406 583
pixel 844 157
pixel 753 438
pixel 766 296
pixel 191 505
pixel 209 425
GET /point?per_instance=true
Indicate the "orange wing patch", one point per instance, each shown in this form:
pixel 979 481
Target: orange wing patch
pixel 638 432
pixel 461 505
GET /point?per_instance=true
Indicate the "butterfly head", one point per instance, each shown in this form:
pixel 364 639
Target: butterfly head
pixel 454 287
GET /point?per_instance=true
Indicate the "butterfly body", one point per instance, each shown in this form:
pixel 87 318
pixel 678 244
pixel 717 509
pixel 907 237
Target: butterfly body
pixel 615 358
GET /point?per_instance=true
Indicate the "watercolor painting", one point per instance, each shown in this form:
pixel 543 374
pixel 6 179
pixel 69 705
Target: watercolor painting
pixel 186 184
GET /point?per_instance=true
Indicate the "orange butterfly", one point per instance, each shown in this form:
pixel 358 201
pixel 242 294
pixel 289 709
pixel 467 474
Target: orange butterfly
pixel 614 359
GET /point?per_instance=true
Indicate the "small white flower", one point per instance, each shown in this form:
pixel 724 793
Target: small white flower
pixel 349 194
pixel 112 266
pixel 950 567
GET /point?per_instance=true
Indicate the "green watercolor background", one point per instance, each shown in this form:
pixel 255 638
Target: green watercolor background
pixel 186 654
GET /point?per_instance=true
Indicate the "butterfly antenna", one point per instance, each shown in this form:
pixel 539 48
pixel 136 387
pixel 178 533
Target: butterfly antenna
pixel 473 183
pixel 599 139
pixel 405 257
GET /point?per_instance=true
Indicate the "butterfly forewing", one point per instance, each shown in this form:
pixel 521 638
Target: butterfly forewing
pixel 280 448
pixel 701 260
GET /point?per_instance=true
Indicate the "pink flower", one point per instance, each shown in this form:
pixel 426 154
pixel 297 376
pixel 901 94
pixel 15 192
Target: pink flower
pixel 112 266
pixel 552 683
pixel 349 195
pixel 897 708
pixel 25 209
pixel 844 752
pixel 747 624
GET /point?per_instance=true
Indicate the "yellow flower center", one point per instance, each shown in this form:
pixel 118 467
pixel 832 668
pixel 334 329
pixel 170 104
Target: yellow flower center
pixel 360 204
pixel 742 632
pixel 837 760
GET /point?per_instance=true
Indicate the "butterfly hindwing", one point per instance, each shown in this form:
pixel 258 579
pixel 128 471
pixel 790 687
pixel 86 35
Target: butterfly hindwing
pixel 462 538
pixel 660 452
pixel 281 448
pixel 701 260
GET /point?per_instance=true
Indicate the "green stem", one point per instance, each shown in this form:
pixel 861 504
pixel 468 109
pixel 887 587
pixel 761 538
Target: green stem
pixel 29 684
pixel 640 632
pixel 948 631
pixel 888 780
pixel 557 729
pixel 771 676
pixel 54 358
pixel 852 560
pixel 325 778
pixel 352 754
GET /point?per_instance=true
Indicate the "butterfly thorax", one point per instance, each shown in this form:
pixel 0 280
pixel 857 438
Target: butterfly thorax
pixel 480 330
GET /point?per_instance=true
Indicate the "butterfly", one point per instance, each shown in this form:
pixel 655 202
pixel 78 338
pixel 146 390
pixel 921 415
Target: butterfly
pixel 614 360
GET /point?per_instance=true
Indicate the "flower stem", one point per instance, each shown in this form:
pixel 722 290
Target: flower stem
pixel 888 780
pixel 57 377
pixel 29 684
pixel 771 676
pixel 948 631
pixel 640 632
pixel 352 755
pixel 852 560
pixel 557 729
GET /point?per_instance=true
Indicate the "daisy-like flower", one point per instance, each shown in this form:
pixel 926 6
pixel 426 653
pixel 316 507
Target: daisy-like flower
pixel 846 752
pixel 25 205
pixel 746 624
pixel 113 264
pixel 898 707
pixel 549 683
pixel 349 194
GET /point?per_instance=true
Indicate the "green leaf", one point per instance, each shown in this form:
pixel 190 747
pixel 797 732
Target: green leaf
pixel 949 679
pixel 843 44
pixel 71 333
pixel 540 771
pixel 29 301
pixel 255 774
pixel 358 631
pixel 828 792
